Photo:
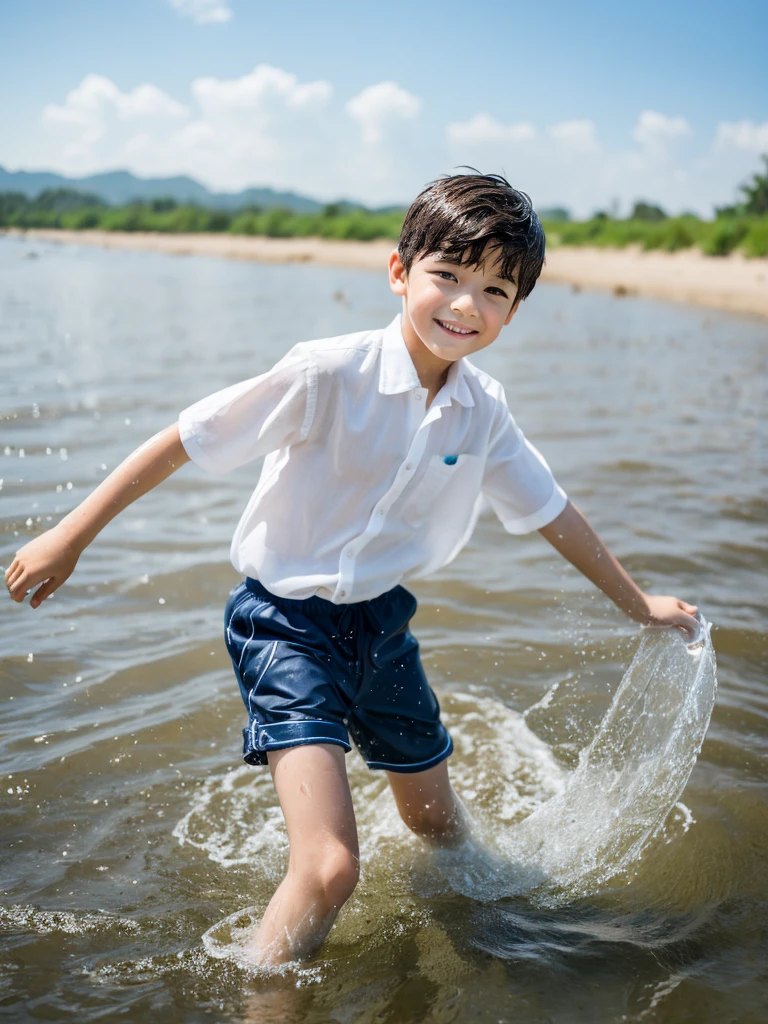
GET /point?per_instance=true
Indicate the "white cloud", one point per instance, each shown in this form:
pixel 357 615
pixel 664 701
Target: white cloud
pixel 378 106
pixel 742 135
pixel 96 99
pixel 484 128
pixel 204 12
pixel 263 89
pixel 578 134
pixel 251 126
pixel 654 130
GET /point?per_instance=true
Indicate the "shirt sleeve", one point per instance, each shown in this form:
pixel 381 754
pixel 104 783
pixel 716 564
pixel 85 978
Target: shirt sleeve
pixel 518 483
pixel 231 427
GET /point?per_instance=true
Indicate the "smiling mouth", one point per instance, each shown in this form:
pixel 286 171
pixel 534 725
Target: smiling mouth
pixel 462 332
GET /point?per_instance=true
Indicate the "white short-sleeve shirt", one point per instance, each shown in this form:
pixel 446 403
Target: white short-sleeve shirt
pixel 363 487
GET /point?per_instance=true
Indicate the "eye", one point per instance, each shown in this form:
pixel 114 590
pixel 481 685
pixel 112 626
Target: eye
pixel 445 275
pixel 497 291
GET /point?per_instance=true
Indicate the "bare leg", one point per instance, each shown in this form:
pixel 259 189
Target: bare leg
pixel 428 805
pixel 311 783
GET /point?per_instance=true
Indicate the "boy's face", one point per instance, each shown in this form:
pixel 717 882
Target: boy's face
pixel 452 309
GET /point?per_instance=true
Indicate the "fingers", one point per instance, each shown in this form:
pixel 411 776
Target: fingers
pixel 13 573
pixel 16 586
pixel 20 582
pixel 690 627
pixel 42 592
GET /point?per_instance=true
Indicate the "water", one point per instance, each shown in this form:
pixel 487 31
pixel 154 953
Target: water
pixel 139 849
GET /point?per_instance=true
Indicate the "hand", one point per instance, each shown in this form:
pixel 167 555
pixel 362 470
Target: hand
pixel 670 611
pixel 49 559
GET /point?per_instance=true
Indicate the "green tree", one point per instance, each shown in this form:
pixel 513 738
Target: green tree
pixel 62 200
pixel 557 214
pixel 163 205
pixel 756 191
pixel 647 211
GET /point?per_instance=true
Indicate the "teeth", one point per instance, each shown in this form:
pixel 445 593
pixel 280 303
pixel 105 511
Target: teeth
pixel 455 330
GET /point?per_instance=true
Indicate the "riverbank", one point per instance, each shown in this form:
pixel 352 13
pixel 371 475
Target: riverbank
pixel 731 283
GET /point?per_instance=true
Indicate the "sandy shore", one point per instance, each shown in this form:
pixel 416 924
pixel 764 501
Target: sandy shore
pixel 731 283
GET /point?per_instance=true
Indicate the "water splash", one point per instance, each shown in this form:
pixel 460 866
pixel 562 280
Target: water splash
pixel 628 780
pixel 25 918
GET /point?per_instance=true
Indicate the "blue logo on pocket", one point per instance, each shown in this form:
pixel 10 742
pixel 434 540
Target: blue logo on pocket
pixel 450 460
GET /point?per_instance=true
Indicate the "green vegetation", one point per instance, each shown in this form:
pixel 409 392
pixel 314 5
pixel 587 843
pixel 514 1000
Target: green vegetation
pixel 743 226
pixel 64 208
pixel 716 238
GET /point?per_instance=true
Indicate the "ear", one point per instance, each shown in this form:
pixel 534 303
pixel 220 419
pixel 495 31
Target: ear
pixel 398 278
pixel 512 312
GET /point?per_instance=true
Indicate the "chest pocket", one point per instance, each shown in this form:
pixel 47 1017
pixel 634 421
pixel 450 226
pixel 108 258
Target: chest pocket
pixel 420 503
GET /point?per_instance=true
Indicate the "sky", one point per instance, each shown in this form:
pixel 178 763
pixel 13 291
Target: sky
pixel 583 105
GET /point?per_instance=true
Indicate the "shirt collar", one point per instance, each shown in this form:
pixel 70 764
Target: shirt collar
pixel 398 374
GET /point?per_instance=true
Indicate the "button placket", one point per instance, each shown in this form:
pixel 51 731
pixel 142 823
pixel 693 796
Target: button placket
pixel 404 475
pixel 377 518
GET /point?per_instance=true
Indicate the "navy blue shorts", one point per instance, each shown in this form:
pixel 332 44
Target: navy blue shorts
pixel 316 672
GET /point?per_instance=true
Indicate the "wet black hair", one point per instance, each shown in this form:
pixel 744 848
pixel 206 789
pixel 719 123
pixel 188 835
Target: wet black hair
pixel 465 218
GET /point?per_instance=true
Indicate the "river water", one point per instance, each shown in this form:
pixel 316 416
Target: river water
pixel 137 847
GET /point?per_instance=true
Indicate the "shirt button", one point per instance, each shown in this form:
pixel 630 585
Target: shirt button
pixel 381 511
pixel 350 554
pixel 409 465
pixel 417 396
pixel 342 593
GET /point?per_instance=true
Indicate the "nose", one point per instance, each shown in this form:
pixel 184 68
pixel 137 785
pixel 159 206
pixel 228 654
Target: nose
pixel 464 304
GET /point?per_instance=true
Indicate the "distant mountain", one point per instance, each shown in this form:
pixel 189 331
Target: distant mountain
pixel 120 187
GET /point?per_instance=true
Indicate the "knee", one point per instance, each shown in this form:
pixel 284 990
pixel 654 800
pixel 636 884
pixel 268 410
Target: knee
pixel 433 820
pixel 333 875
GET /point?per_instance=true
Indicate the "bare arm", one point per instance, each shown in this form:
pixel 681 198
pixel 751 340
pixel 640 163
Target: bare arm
pixel 50 559
pixel 574 538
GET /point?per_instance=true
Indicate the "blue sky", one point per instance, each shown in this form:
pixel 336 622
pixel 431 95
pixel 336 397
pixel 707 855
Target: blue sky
pixel 580 104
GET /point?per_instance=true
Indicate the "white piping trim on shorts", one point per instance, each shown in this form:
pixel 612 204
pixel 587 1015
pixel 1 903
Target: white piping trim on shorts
pixel 229 624
pixel 245 645
pixel 418 764
pixel 263 672
pixel 303 741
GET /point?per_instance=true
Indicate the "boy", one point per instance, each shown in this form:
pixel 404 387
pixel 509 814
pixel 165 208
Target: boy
pixel 378 447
